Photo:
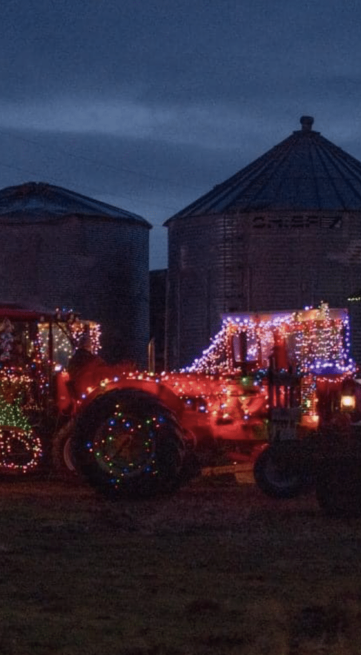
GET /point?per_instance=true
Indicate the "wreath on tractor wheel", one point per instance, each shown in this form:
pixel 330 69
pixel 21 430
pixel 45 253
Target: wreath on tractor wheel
pixel 127 443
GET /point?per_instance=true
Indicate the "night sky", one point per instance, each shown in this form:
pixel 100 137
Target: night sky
pixel 148 104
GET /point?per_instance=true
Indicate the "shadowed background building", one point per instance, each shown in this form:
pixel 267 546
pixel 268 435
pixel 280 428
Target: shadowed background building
pixel 61 249
pixel 282 233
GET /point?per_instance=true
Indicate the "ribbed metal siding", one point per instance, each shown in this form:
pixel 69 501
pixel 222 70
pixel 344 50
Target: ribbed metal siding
pixel 121 278
pixel 207 270
pixel 98 267
pixel 227 263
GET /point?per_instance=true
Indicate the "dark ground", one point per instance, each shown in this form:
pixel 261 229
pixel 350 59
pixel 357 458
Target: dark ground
pixel 216 569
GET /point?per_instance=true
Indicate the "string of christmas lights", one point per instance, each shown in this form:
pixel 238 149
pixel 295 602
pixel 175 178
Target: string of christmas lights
pixel 314 340
pixel 20 448
pixel 126 445
pixel 64 345
pixel 24 385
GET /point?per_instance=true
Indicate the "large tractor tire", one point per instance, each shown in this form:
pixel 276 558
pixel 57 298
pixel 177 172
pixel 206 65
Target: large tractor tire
pixel 338 487
pixel 62 454
pixel 276 471
pixel 126 443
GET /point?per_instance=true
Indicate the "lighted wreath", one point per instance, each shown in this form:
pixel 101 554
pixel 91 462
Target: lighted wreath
pixel 20 450
pixel 125 445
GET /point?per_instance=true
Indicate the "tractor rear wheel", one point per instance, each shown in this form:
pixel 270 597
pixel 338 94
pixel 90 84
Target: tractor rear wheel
pixel 276 473
pixel 126 443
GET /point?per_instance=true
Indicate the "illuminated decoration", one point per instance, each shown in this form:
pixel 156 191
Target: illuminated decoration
pixel 323 343
pixel 6 339
pixel 310 340
pixel 226 394
pixel 308 395
pixel 65 341
pixel 93 331
pixel 25 367
pixel 33 347
pixel 313 344
pixel 348 402
pixel 20 448
pixel 125 445
pixel 11 412
pixel 355 297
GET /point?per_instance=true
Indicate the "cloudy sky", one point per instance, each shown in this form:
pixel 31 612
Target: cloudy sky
pixel 147 104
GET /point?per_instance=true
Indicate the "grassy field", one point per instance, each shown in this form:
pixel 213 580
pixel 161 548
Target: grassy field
pixel 216 569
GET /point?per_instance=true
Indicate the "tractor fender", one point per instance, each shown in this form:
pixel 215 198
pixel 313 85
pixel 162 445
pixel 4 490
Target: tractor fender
pixel 161 391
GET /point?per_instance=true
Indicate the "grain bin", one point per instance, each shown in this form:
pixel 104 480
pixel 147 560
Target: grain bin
pixel 63 249
pixel 282 233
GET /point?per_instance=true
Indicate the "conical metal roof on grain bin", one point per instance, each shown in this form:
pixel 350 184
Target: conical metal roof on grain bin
pixel 303 172
pixel 39 201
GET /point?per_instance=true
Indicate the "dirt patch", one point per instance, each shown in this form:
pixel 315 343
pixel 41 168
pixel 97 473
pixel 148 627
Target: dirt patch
pixel 217 568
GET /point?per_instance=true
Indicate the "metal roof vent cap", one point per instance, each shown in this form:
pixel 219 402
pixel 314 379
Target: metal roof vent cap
pixel 306 122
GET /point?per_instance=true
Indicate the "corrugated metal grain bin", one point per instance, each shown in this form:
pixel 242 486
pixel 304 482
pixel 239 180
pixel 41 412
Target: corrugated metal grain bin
pixel 285 231
pixel 62 249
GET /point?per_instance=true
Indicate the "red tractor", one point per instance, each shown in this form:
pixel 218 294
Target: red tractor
pixel 34 347
pixel 63 410
pixel 320 450
pixel 265 390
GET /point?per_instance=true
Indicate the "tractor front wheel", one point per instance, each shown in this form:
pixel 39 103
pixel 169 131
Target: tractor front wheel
pixel 127 443
pixel 276 472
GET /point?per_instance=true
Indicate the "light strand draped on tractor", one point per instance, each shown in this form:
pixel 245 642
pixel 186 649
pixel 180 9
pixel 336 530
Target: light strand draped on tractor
pixel 269 389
